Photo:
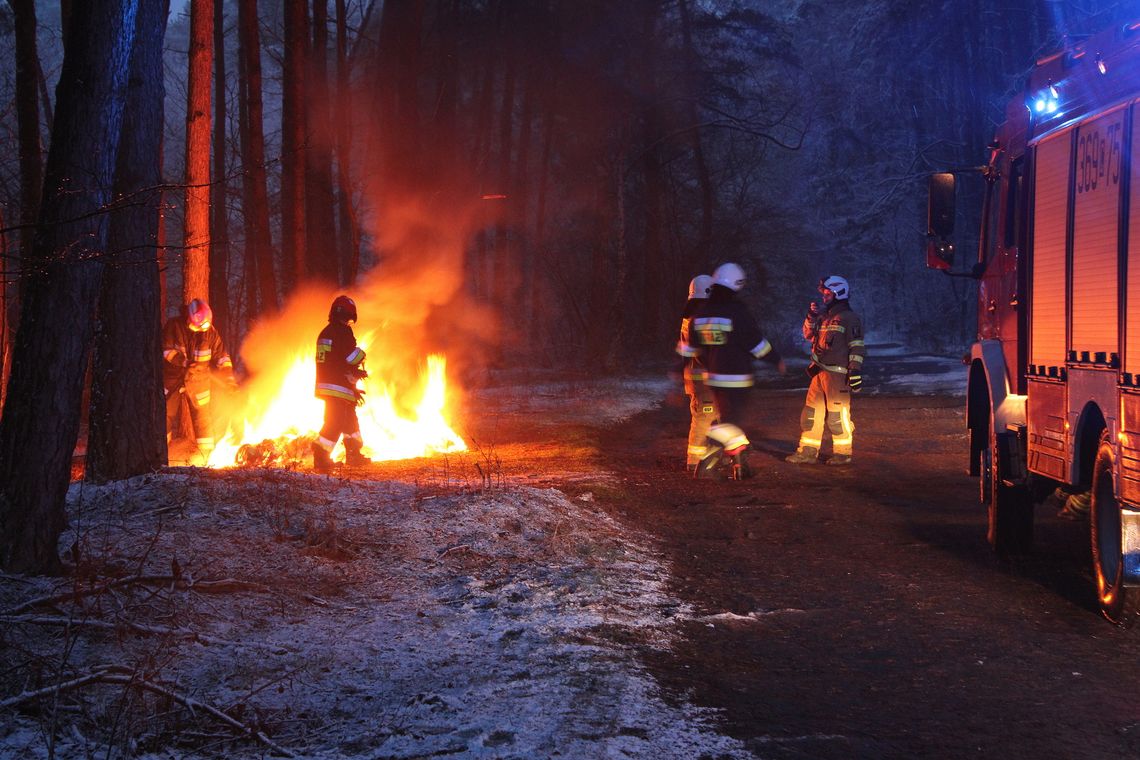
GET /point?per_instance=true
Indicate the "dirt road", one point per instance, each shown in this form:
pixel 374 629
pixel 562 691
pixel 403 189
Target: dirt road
pixel 857 612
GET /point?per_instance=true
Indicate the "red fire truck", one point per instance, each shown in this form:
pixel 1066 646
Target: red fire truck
pixel 1054 377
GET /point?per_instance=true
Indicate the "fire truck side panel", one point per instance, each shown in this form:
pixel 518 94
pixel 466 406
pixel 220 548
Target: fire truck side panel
pixel 1129 459
pixel 1094 300
pixel 1047 449
pixel 1045 418
pixel 1131 359
pixel 1048 274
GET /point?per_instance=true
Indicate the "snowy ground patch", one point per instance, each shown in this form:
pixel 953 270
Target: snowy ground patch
pixel 344 619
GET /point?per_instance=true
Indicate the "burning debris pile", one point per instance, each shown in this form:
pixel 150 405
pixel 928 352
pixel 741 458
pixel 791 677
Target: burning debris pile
pixel 288 453
pixel 275 419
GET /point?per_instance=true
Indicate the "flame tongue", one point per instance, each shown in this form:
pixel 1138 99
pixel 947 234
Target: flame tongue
pixel 280 418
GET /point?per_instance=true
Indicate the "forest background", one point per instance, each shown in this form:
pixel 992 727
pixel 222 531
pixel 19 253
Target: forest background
pixel 516 183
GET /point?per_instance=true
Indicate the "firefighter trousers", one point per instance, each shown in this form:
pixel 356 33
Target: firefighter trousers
pixel 198 402
pixel 340 419
pixel 702 415
pixel 827 408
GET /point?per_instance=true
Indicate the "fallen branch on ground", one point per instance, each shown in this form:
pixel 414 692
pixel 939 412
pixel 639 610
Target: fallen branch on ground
pixel 148 630
pixel 119 675
pixel 180 583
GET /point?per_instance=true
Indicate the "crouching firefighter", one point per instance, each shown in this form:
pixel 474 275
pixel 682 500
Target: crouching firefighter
pixel 192 353
pixel 836 369
pixel 730 341
pixel 340 363
pixel 702 408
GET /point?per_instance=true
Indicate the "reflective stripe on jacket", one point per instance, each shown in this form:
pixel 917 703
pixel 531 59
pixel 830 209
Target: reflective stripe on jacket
pixel 837 343
pixel 730 340
pixel 338 359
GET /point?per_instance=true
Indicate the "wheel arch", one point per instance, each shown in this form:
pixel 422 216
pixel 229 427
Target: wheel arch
pixel 1091 425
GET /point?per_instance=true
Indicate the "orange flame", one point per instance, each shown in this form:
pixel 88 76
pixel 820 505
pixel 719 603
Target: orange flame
pixel 283 408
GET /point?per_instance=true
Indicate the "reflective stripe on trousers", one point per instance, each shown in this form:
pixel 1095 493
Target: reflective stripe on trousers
pixel 828 403
pixel 702 413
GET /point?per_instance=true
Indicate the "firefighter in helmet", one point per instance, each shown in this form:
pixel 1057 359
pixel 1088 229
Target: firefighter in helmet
pixel 836 369
pixel 193 353
pixel 702 408
pixel 340 363
pixel 730 341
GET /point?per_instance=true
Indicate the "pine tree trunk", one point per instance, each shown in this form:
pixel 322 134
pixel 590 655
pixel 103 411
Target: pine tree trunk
pixel 27 118
pixel 293 147
pixel 219 190
pixel 320 226
pixel 127 373
pixel 196 267
pixel 255 197
pixel 348 236
pixel 41 420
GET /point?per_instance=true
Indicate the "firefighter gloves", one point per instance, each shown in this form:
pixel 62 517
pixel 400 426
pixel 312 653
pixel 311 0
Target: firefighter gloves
pixel 855 381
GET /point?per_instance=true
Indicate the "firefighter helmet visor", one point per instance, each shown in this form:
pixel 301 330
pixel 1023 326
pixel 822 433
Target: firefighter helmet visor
pixel 199 315
pixel 837 285
pixel 343 309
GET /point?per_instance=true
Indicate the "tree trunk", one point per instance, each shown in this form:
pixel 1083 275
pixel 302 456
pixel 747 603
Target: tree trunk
pixel 127 372
pixel 692 94
pixel 63 270
pixel 293 148
pixel 255 197
pixel 7 298
pixel 348 235
pixel 196 267
pixel 320 227
pixel 219 202
pixel 401 24
pixel 27 119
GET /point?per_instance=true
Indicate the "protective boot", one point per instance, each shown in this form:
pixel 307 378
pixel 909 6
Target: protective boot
pixel 839 460
pixel 806 455
pixel 352 455
pixel 322 462
pixel 740 468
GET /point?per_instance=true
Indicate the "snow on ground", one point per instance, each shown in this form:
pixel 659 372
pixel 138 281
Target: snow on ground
pixel 357 618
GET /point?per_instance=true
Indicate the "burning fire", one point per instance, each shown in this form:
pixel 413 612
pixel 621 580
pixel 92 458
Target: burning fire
pixel 282 413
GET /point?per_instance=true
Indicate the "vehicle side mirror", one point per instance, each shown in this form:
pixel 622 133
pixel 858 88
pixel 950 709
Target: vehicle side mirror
pixel 940 221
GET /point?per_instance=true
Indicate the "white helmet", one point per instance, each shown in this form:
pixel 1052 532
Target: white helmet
pixel 836 285
pixel 729 275
pixel 700 286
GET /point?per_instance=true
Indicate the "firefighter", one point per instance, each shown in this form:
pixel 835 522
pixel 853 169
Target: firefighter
pixel 836 369
pixel 340 363
pixel 702 408
pixel 192 353
pixel 729 341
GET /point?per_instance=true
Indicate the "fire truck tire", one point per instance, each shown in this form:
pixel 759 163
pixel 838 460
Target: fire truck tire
pixel 1010 512
pixel 1117 603
pixel 986 479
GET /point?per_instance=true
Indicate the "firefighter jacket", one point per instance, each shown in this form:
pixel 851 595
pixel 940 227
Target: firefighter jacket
pixel 339 363
pixel 836 339
pixel 729 339
pixel 190 356
pixel 694 369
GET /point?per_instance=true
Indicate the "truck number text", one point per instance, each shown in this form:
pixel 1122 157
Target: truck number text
pixel 1098 158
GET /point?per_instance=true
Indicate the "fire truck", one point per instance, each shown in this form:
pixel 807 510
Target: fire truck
pixel 1053 388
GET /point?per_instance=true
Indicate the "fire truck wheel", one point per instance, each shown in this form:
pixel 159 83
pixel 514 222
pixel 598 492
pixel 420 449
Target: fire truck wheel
pixel 1010 511
pixel 1117 603
pixel 986 479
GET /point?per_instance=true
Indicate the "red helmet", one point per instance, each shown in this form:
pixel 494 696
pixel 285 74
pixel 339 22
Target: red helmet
pixel 343 310
pixel 199 315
